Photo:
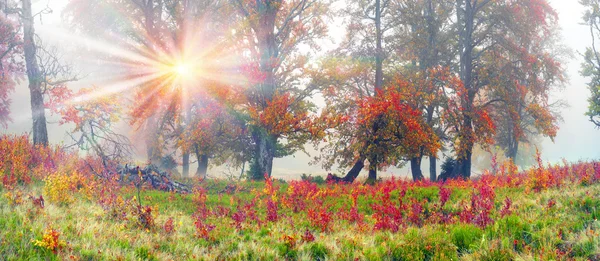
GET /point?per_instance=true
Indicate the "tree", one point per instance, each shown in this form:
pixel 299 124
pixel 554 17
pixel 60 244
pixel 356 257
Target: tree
pixel 528 68
pixel 43 67
pixel 424 35
pixel 482 40
pixel 403 134
pixel 40 131
pixel 173 48
pixel 591 65
pixel 10 66
pixel 94 118
pixel 363 75
pixel 270 38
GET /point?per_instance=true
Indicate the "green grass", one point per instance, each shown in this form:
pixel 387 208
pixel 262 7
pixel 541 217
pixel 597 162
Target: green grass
pixel 533 232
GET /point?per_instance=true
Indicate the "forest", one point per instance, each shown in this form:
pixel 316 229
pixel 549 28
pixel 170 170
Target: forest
pixel 149 89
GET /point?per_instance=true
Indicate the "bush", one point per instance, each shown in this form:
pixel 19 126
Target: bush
pixel 21 161
pixel 59 187
pixel 316 179
pixel 15 160
pixel 464 236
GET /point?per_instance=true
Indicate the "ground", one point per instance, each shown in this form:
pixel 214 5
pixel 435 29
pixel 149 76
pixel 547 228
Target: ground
pixel 525 216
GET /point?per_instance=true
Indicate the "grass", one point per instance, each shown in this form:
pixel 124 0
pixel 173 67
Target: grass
pixel 535 230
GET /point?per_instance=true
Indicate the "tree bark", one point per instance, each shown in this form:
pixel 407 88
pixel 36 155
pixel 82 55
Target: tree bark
pixel 40 131
pixel 372 173
pixel 378 47
pixel 151 140
pixel 264 154
pixel 353 173
pixel 463 166
pixel 466 18
pixel 432 168
pixel 265 143
pixel 202 166
pixel 360 162
pixel 415 168
pixel 185 164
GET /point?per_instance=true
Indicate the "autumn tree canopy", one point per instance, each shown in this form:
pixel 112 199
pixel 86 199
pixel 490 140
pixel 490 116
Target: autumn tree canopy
pixel 236 81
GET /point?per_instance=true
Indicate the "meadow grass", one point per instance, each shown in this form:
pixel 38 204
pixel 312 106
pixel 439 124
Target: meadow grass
pixel 557 223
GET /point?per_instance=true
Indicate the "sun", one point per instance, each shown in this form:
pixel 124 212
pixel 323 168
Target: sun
pixel 183 70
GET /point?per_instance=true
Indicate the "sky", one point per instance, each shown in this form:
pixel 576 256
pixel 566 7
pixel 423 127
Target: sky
pixel 577 139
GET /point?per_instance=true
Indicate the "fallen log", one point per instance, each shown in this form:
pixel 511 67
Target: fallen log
pixel 152 176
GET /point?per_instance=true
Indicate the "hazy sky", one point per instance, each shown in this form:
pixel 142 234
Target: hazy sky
pixel 577 138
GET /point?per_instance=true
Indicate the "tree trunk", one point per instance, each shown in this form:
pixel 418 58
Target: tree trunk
pixel 372 174
pixel 151 140
pixel 513 148
pixel 463 166
pixel 353 173
pixel 186 164
pixel 40 132
pixel 432 168
pixel 202 166
pixel 466 18
pixel 267 45
pixel 378 47
pixel 415 168
pixel 360 163
pixel 263 155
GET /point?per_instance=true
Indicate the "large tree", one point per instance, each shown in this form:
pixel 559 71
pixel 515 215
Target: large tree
pixel 361 76
pixel 591 66
pixel 482 40
pixel 270 36
pixel 424 42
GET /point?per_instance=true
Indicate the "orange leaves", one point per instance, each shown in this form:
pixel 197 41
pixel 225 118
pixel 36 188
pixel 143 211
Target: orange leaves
pixel 544 120
pixel 484 127
pixel 403 128
pixel 280 116
pixel 21 161
pixel 88 104
pixel 50 240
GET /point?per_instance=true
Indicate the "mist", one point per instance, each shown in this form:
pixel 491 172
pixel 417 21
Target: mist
pixel 577 138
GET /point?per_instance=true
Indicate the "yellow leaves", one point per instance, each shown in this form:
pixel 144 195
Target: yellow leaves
pixel 15 197
pixel 50 240
pixel 59 186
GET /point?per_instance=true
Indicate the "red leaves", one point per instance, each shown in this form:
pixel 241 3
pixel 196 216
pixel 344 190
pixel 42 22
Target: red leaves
pixel 168 227
pixel 480 210
pixel 320 217
pixel 403 126
pixel 203 229
pixel 444 195
pixel 308 236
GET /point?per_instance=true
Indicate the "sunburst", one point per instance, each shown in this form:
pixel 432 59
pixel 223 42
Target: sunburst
pixel 178 67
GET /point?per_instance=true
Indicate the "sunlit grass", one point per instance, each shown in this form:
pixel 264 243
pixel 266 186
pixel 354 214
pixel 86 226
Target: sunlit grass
pixel 91 234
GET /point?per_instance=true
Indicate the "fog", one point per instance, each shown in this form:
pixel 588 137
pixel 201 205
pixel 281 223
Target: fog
pixel 577 138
